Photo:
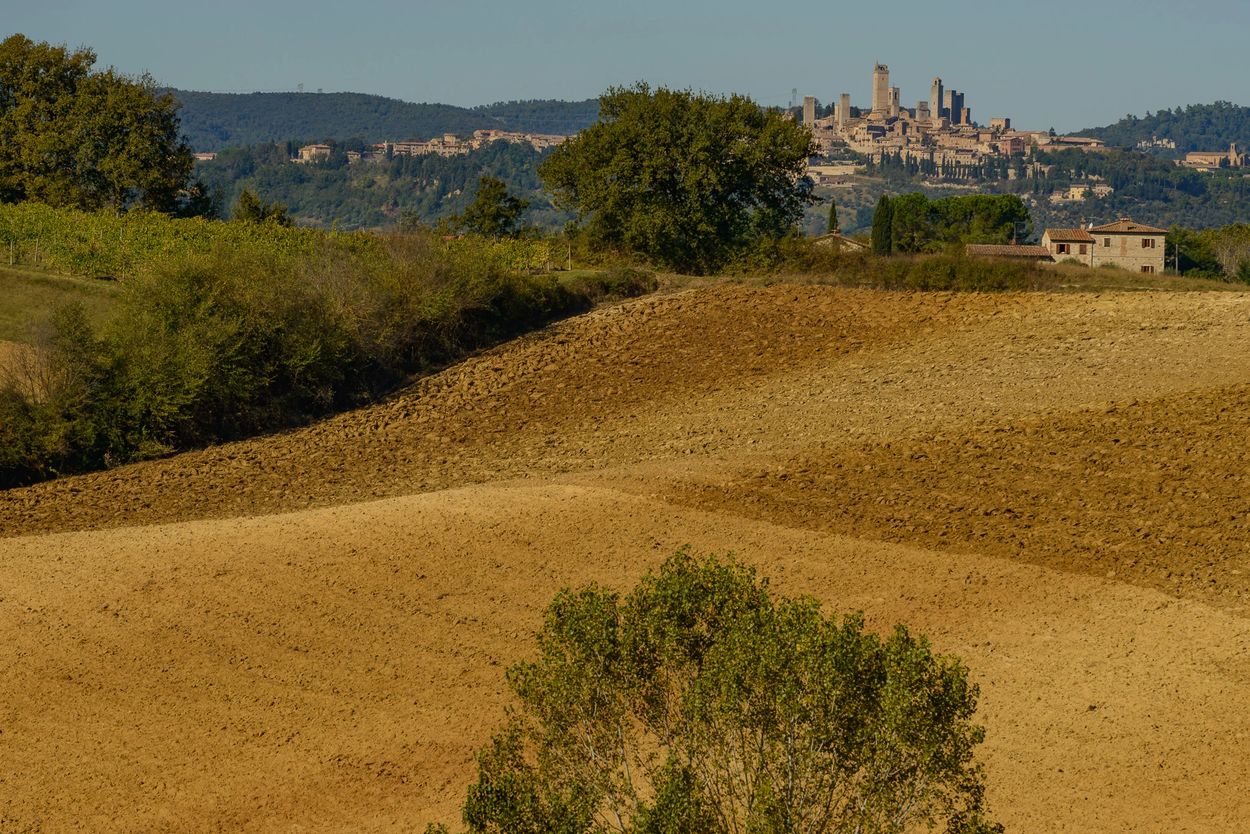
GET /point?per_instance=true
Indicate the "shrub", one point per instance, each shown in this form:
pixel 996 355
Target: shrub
pixel 699 703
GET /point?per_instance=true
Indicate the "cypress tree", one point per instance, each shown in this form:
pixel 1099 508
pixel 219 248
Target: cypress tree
pixel 833 216
pixel 883 227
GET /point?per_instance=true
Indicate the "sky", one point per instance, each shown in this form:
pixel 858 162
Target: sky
pixel 1060 63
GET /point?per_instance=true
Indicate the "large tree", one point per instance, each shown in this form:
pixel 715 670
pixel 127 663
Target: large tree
pixel 701 704
pixel 687 180
pixel 73 137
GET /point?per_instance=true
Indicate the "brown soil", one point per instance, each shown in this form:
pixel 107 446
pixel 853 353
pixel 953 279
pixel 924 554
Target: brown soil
pixel 1052 487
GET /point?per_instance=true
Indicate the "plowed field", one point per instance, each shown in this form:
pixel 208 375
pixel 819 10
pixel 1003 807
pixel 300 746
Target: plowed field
pixel 310 631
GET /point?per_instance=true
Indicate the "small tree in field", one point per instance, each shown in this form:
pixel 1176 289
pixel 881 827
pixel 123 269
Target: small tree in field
pixel 833 217
pixel 494 212
pixel 700 704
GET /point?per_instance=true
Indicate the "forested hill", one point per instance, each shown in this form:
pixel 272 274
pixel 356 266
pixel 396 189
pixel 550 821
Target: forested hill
pixel 1198 127
pixel 212 121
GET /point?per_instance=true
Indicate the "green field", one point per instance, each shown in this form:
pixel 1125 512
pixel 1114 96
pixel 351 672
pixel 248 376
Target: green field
pixel 29 297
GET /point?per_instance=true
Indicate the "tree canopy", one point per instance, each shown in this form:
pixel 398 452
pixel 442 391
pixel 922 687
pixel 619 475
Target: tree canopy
pixel 701 704
pixel 494 212
pixel 83 139
pixel 687 180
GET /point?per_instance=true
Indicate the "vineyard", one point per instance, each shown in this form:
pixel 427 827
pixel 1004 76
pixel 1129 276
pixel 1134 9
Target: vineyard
pixel 109 245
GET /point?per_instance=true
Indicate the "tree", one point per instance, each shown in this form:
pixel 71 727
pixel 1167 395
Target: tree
pixel 73 137
pixel 833 216
pixel 494 212
pixel 699 703
pixel 251 209
pixel 883 227
pixel 687 180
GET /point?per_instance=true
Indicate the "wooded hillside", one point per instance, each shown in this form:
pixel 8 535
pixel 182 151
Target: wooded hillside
pixel 212 121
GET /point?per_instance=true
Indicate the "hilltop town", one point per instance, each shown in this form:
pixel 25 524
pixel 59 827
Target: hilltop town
pixel 449 144
pixel 938 133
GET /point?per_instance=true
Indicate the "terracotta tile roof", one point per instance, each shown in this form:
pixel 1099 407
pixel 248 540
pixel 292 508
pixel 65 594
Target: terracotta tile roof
pixel 994 250
pixel 1128 226
pixel 1069 236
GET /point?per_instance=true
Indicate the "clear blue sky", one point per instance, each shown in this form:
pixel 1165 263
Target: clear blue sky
pixel 1060 63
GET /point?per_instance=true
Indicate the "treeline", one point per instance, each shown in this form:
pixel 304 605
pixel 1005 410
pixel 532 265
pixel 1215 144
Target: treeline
pixel 1147 188
pixel 212 121
pixel 1222 253
pixel 914 223
pixel 1197 127
pixel 564 118
pixel 423 189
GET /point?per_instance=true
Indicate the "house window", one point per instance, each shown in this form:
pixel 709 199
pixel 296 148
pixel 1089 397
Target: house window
pixel 1082 248
pixel 1147 243
pixel 1064 249
pixel 1106 242
pixel 1149 270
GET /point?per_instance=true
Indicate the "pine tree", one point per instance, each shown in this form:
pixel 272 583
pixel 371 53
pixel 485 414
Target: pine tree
pixel 883 227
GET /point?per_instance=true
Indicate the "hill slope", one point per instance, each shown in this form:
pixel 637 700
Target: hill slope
pixel 1051 486
pixel 212 121
pixel 1197 127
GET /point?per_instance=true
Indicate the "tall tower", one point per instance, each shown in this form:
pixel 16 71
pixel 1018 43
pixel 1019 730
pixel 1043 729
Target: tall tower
pixel 809 110
pixel 844 111
pixel 880 89
pixel 894 102
pixel 935 100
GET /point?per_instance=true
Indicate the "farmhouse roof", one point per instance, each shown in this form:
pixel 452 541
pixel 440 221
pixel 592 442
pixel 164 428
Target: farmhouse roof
pixel 997 250
pixel 1069 236
pixel 1126 226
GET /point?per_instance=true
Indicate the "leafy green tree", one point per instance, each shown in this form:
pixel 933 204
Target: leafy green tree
pixel 910 224
pixel 249 208
pixel 687 180
pixel 71 137
pixel 494 212
pixel 833 216
pixel 883 227
pixel 699 703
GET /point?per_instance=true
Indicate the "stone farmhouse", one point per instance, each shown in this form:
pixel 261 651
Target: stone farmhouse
pixel 1124 243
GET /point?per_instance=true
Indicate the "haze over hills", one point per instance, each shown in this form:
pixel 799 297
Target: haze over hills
pixel 212 121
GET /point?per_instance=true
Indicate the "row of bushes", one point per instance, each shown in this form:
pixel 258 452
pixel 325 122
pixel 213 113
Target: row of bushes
pixel 207 348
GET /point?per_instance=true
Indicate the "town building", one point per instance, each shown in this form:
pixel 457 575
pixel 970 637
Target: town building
pixel 939 135
pixel 1208 160
pixel 313 153
pixel 880 90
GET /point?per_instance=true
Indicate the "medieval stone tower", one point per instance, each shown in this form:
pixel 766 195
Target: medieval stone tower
pixel 880 89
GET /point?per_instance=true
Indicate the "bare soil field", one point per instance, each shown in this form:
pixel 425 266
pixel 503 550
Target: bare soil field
pixel 310 631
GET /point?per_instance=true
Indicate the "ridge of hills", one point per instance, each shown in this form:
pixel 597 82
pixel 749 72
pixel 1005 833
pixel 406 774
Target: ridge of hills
pixel 1196 127
pixel 312 629
pixel 212 121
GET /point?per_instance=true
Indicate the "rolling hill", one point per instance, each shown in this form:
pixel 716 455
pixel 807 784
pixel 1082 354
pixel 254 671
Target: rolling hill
pixel 212 121
pixel 312 630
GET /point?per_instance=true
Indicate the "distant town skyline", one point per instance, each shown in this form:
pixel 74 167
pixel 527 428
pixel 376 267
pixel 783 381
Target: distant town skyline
pixel 1066 65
